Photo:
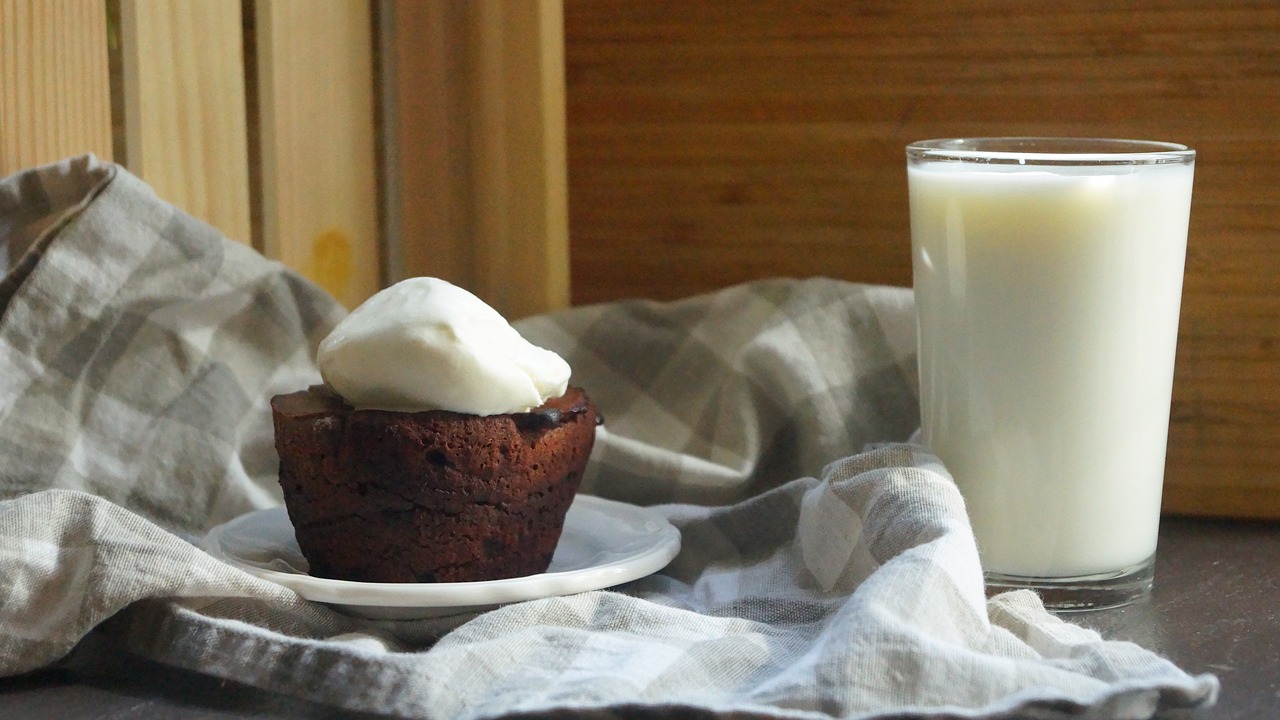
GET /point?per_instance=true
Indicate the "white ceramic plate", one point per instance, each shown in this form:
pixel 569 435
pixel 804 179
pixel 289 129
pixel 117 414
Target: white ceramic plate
pixel 604 543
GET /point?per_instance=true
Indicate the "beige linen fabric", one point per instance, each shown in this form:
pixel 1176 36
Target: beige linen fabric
pixel 827 567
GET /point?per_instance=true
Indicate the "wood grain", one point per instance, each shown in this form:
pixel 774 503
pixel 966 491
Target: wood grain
pixel 716 142
pixel 55 94
pixel 479 148
pixel 315 101
pixel 429 202
pixel 184 119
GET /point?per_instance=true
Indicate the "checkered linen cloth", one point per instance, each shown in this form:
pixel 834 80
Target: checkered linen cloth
pixel 138 350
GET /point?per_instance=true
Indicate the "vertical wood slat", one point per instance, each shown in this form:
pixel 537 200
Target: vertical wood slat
pixel 479 133
pixel 521 173
pixel 184 106
pixel 317 133
pixel 425 66
pixel 55 99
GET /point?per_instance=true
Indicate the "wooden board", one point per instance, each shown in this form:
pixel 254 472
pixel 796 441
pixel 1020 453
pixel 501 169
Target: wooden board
pixel 429 206
pixel 478 147
pixel 716 142
pixel 185 127
pixel 55 97
pixel 317 135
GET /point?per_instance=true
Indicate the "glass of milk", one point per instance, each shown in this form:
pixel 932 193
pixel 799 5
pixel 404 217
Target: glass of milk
pixel 1048 278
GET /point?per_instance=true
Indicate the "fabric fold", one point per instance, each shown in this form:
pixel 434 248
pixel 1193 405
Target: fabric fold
pixel 827 566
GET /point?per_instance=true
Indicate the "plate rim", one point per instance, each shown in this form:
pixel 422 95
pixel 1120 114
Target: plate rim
pixel 352 593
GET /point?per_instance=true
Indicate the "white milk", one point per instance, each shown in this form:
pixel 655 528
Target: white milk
pixel 1048 305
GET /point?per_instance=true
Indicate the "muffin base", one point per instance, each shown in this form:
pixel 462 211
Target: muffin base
pixel 437 496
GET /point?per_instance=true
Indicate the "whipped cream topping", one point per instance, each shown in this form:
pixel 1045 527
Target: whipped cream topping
pixel 426 344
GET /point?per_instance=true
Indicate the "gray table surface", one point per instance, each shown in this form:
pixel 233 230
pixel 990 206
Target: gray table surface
pixel 1214 609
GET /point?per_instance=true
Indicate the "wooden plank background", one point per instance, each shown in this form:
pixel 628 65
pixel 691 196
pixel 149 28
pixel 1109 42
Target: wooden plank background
pixel 55 98
pixel 480 185
pixel 357 141
pixel 225 121
pixel 718 141
pixel 183 114
pixel 318 167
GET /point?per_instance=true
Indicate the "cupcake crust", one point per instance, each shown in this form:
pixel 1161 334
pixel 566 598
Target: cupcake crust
pixel 435 496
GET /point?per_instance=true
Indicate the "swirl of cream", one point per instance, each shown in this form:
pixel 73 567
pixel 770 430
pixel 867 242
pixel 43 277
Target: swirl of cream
pixel 426 344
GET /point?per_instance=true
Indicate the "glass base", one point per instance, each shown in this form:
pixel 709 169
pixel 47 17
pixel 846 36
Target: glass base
pixel 1084 593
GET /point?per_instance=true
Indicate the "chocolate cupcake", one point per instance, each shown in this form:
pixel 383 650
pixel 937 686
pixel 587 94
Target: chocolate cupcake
pixel 442 447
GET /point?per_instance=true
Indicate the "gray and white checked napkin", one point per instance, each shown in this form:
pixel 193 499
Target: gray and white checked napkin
pixel 818 578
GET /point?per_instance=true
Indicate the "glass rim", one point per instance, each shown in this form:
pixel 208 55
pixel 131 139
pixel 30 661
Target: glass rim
pixel 1015 150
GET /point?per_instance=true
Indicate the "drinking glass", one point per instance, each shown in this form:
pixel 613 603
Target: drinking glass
pixel 1048 279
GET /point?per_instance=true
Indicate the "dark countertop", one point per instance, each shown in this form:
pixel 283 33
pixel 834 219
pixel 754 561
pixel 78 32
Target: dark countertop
pixel 1214 610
